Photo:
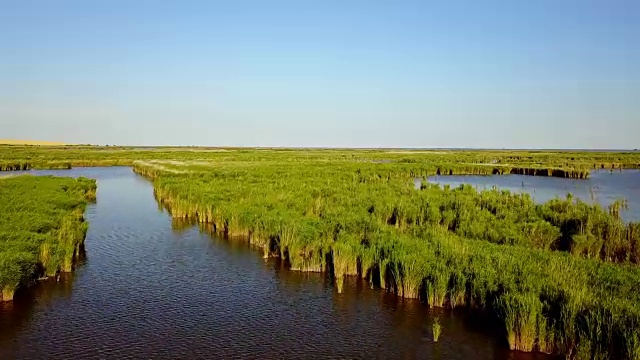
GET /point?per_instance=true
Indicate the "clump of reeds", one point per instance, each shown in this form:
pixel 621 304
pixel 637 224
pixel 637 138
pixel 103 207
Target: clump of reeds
pixel 41 227
pixel 436 329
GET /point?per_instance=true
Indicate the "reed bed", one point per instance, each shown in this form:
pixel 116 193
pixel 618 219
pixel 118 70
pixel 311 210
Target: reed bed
pixel 568 164
pixel 42 228
pixel 559 277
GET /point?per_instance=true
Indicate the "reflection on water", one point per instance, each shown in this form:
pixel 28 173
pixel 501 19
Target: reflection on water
pixel 156 288
pixel 14 314
pixel 603 187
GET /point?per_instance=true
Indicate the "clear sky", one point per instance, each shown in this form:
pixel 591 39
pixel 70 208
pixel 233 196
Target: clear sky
pixel 514 74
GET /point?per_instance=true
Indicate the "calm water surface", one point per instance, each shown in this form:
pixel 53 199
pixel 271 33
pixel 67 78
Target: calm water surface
pixel 150 290
pixel 603 187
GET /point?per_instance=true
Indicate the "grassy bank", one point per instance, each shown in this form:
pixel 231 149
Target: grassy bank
pixel 560 277
pixel 42 228
pixel 571 164
pixel 30 142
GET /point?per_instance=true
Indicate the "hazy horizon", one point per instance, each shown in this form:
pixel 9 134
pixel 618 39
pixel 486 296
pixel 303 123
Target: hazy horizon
pixel 407 74
pixel 53 143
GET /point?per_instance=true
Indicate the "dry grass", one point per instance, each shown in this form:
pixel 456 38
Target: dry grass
pixel 415 152
pixel 29 142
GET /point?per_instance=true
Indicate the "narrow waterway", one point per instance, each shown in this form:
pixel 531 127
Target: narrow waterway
pixel 148 289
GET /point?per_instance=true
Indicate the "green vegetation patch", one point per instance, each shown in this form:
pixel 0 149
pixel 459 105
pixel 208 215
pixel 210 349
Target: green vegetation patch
pixel 560 277
pixel 42 227
pixel 572 164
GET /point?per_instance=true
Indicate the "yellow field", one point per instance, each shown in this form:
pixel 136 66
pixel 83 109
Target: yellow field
pixel 29 142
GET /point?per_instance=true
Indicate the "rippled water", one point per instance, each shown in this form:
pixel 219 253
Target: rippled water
pixel 147 290
pixel 603 187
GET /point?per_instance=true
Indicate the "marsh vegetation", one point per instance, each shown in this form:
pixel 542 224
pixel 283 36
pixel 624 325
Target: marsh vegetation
pixel 42 228
pixel 436 329
pixel 570 164
pixel 558 277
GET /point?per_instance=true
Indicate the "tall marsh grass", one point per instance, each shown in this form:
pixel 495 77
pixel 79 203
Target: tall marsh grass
pixel 416 162
pixel 436 329
pixel 489 251
pixel 42 227
pixel 560 277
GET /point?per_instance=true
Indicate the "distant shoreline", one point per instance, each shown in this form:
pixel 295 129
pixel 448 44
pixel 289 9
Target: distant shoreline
pixel 29 142
pixel 408 149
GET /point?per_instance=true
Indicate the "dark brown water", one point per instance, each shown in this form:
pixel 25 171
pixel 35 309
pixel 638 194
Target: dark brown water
pixel 147 290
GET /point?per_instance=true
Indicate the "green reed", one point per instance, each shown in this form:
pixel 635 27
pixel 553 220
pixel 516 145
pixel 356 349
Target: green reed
pixel 490 251
pixel 42 228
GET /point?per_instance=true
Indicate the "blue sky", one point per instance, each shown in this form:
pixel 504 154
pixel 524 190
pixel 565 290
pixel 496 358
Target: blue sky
pixel 515 74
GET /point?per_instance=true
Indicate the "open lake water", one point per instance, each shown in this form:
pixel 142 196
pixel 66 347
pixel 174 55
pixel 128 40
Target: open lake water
pixel 602 187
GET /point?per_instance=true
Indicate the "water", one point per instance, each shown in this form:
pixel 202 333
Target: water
pixel 147 290
pixel 603 187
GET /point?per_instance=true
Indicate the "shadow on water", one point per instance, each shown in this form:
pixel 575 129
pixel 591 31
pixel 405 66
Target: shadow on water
pixel 15 315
